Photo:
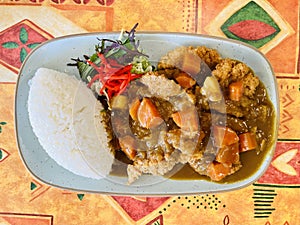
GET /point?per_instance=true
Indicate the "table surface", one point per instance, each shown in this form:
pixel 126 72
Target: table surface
pixel 272 26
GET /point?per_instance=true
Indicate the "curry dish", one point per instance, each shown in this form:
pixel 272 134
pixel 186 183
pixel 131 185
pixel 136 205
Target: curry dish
pixel 209 115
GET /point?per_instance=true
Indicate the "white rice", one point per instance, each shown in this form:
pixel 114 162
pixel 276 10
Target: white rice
pixel 65 116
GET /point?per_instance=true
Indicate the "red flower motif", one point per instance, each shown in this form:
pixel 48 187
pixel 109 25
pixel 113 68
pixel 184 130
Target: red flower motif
pixel 58 1
pixel 106 3
pixel 109 2
pixel 37 1
pixel 81 1
pixel 17 41
pixel 251 29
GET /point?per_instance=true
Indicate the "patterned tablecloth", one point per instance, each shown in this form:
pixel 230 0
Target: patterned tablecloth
pixel 270 25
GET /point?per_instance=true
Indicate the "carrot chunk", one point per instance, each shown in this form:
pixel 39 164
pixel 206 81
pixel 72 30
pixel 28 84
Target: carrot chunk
pixel 148 115
pixel 128 146
pixel 133 110
pixel 236 90
pixel 187 120
pixel 224 136
pixel 229 154
pixel 185 81
pixel 191 63
pixel 217 171
pixel 247 141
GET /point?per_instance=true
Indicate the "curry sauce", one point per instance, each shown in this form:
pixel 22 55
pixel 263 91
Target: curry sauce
pixel 220 129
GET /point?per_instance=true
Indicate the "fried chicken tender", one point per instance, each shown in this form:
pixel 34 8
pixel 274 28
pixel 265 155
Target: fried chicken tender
pixel 230 70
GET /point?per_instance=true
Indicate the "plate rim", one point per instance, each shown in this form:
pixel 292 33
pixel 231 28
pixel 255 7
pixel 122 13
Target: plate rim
pixel 149 33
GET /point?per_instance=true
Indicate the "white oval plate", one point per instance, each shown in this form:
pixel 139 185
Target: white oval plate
pixel 56 53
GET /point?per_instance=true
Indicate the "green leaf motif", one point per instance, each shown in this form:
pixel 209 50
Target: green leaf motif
pixel 1 155
pixel 33 45
pixel 23 54
pixel 80 196
pixel 1 124
pixel 23 35
pixel 10 45
pixel 32 186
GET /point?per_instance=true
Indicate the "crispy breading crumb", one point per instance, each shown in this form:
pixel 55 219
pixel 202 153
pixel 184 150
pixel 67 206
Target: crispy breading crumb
pixel 230 70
